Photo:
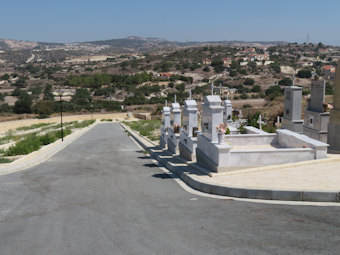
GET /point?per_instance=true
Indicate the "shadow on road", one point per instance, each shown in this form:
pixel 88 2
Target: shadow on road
pixel 162 176
pixel 150 165
pixel 144 157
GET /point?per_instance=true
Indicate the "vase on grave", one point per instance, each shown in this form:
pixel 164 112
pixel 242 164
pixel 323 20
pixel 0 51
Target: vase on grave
pixel 176 129
pixel 220 137
pixel 194 131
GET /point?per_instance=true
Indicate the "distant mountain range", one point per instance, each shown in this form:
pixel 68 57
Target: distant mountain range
pixel 129 43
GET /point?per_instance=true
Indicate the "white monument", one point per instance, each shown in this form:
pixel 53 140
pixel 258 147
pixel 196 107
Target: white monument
pixel 188 135
pixel 292 109
pixel 175 126
pixel 209 152
pixel 316 119
pixel 334 120
pixel 165 125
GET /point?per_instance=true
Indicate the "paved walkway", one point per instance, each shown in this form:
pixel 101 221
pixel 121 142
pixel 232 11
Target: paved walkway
pixel 321 175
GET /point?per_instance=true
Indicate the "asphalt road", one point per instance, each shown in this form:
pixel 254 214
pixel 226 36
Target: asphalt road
pixel 102 195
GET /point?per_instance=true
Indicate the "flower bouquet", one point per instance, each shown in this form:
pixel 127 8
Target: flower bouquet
pixel 177 128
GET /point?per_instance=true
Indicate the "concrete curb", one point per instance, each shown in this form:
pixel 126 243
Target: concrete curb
pixel 187 175
pixel 43 154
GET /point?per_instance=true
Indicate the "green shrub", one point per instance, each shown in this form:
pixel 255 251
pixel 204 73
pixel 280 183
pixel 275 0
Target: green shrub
pixel 145 127
pixel 66 132
pixel 269 129
pixel 5 160
pixel 47 138
pixel 34 126
pixel 27 145
pixel 82 124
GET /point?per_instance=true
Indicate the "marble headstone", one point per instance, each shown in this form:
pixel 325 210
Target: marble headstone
pixel 292 109
pixel 176 114
pixel 189 116
pixel 212 116
pixel 317 96
pixel 166 116
pixel 227 111
pixel 315 119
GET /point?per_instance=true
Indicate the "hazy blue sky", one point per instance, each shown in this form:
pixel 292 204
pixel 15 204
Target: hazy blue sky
pixel 181 20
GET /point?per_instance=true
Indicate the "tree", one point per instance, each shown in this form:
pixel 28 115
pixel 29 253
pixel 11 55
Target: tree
pixel 276 67
pixel 274 91
pixel 180 87
pixel 329 89
pixel 233 73
pixel 18 92
pixel 23 105
pixel 218 65
pixel 235 66
pixel 81 97
pixel 44 108
pixel 249 81
pixel 286 82
pixel 21 82
pixel 48 95
pixel 304 73
pixel 252 65
pixel 163 66
pixel 36 91
pixel 256 88
pixel 104 91
pixel 6 108
pixel 206 69
pixel 244 96
pixel 5 77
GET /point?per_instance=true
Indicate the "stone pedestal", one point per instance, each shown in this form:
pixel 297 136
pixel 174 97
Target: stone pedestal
pixel 334 120
pixel 188 135
pixel 173 139
pixel 164 128
pixel 315 119
pixel 316 125
pixel 173 130
pixel 292 110
pixel 209 152
pixel 227 111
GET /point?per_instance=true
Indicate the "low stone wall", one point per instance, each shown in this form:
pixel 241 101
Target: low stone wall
pixel 289 139
pixel 251 139
pixel 269 156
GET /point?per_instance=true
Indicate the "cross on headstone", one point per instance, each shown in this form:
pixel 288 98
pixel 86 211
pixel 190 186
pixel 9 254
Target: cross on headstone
pixel 260 122
pixel 277 124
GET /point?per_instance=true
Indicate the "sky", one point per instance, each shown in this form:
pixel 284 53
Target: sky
pixel 174 20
